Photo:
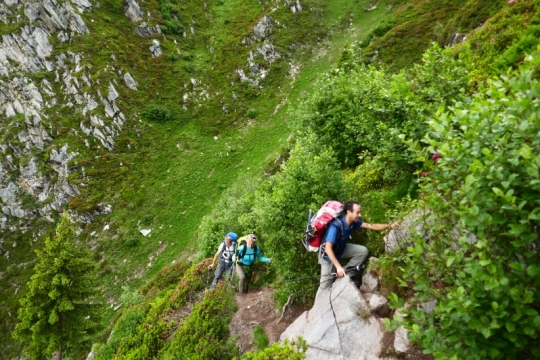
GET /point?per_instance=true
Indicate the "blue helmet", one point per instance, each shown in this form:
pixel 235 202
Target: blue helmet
pixel 233 236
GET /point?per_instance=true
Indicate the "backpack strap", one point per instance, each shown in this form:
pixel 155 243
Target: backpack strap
pixel 340 234
pixel 244 249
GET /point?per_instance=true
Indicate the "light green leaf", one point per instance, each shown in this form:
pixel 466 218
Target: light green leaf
pixel 533 270
pixel 510 326
pixel 497 191
pixel 525 152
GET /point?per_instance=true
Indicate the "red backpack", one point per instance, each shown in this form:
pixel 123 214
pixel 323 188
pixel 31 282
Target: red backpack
pixel 316 226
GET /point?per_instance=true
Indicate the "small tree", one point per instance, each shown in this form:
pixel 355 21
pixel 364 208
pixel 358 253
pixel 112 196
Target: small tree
pixel 57 314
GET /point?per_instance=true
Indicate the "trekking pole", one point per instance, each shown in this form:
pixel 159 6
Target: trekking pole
pixel 311 286
pixel 305 278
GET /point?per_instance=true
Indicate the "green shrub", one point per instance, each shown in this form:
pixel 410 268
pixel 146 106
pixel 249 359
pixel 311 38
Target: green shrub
pixel 204 333
pixel 366 111
pixel 130 297
pixel 133 242
pixel 382 28
pixel 251 113
pixel 289 350
pixel 280 207
pixel 483 180
pixel 158 113
pixel 260 339
pixel 167 276
pixel 148 335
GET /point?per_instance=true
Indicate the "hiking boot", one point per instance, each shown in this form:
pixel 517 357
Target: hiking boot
pixel 355 270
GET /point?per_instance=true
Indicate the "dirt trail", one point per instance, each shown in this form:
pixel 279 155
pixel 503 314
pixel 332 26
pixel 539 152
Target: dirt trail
pixel 258 308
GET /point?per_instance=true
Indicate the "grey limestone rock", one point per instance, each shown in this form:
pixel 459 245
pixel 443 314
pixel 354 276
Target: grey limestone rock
pixel 155 48
pixel 370 283
pixel 269 53
pixel 130 82
pixel 8 194
pixel 339 325
pixel 144 30
pixel 133 11
pixel 401 340
pixel 263 29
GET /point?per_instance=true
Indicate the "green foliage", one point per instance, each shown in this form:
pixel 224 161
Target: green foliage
pixel 260 339
pixel 59 311
pixel 166 277
pixel 158 113
pixel 504 39
pixel 281 204
pixel 367 111
pixel 470 16
pixel 289 350
pixel 251 113
pixel 235 202
pixel 130 297
pixel 133 241
pixel 484 179
pixel 204 333
pixel 147 335
pixel 402 45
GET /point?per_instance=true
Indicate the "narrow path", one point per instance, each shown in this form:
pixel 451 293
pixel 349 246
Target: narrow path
pixel 259 308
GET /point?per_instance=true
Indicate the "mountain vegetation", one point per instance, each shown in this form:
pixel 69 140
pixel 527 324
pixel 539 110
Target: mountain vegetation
pixel 254 113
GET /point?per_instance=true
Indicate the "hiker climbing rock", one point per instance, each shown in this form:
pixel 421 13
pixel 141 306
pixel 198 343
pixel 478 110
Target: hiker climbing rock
pixel 245 257
pixel 334 246
pixel 225 252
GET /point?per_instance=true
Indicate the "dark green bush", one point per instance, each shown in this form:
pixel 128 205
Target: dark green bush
pixel 260 339
pixel 158 113
pixel 289 350
pixel 482 179
pixel 133 242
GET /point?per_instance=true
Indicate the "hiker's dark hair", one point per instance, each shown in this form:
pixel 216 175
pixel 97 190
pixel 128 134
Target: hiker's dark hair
pixel 349 206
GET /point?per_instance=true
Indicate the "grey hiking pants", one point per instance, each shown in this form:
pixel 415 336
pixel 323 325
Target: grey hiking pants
pixel 221 268
pixel 357 254
pixel 242 283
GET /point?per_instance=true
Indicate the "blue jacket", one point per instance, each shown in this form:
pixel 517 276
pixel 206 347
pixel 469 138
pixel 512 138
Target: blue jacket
pixel 249 257
pixel 332 235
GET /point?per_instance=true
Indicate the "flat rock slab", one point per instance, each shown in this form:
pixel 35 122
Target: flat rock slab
pixel 339 325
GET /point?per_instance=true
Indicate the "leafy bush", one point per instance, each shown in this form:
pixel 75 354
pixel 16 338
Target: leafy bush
pixel 159 113
pixel 505 30
pixel 280 207
pixel 366 111
pixel 147 334
pixel 133 242
pixel 485 174
pixel 204 333
pixel 166 277
pixel 130 297
pixel 289 350
pixel 236 201
pixel 260 339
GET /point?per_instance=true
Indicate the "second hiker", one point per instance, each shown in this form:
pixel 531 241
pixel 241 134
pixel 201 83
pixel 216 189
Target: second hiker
pixel 247 251
pixel 226 253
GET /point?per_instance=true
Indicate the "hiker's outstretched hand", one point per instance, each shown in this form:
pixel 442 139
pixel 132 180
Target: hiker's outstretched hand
pixel 340 272
pixel 210 266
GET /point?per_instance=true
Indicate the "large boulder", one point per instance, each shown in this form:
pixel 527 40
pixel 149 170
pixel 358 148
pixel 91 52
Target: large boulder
pixel 341 324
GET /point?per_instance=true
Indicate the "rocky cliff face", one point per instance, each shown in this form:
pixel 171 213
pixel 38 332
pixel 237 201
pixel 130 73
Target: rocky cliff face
pixel 345 323
pixel 35 161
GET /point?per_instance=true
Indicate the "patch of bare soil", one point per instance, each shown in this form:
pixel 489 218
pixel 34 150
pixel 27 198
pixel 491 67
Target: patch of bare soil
pixel 259 308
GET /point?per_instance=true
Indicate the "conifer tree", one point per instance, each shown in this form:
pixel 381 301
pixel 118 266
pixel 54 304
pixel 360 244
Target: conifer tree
pixel 58 313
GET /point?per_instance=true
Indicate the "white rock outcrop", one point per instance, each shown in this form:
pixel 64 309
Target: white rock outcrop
pixel 343 324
